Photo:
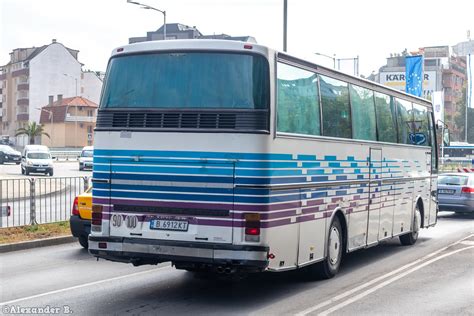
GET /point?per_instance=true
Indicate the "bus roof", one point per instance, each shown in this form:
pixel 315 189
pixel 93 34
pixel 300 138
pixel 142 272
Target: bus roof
pixel 191 44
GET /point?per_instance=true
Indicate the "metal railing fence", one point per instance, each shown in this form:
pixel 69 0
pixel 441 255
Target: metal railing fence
pixel 30 201
pixel 65 155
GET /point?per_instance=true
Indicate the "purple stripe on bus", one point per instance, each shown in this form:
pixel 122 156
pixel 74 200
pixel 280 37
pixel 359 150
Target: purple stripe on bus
pixel 311 210
pixel 316 202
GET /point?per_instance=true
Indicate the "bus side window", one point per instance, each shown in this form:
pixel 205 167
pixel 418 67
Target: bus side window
pixel 421 127
pixel 335 108
pixel 404 120
pixel 386 118
pixel 298 101
pixel 363 113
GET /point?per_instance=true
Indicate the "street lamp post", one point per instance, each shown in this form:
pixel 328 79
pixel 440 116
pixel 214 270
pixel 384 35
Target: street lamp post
pixel 147 7
pixel 333 58
pixel 75 112
pixel 52 125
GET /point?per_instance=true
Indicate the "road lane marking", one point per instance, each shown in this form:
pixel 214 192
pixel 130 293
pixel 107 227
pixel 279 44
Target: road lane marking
pixel 81 286
pixel 380 278
pixel 389 281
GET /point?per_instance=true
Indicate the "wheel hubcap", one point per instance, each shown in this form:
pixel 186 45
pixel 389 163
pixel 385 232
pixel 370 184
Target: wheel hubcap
pixel 334 245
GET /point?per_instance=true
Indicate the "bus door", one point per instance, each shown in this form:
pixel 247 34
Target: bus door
pixel 430 217
pixel 375 176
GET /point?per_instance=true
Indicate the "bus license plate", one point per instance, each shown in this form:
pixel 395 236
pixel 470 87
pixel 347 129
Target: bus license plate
pixel 445 191
pixel 169 224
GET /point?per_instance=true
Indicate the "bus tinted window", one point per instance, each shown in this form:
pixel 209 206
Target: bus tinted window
pixel 386 118
pixel 363 113
pixel 421 126
pixel 187 80
pixel 405 121
pixel 298 101
pixel 335 108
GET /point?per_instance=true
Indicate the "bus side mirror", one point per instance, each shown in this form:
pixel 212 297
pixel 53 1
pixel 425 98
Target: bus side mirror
pixel 446 138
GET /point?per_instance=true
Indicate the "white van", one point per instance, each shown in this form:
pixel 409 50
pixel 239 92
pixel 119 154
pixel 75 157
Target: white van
pixel 85 159
pixel 37 159
pixel 34 148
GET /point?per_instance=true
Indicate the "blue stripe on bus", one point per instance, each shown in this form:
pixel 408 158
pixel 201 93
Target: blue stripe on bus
pixel 191 154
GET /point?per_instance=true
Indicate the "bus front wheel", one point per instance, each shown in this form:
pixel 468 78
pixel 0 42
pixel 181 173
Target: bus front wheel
pixel 411 238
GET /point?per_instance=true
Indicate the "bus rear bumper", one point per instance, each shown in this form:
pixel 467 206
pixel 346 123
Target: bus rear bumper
pixel 186 255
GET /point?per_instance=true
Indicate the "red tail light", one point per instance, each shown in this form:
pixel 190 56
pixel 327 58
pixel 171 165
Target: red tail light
pixel 468 190
pixel 252 227
pixel 253 231
pixel 96 222
pixel 75 207
pixel 96 219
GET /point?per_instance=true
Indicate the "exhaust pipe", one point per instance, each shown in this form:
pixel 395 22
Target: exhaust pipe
pixel 229 270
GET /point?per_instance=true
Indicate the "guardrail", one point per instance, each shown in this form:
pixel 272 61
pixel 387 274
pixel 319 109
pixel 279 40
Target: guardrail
pixel 38 200
pixel 65 155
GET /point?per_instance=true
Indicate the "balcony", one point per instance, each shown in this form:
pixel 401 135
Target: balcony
pixel 21 72
pixel 22 116
pixel 23 87
pixel 23 101
pixel 82 119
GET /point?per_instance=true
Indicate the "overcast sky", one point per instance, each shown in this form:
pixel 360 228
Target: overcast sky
pixel 347 28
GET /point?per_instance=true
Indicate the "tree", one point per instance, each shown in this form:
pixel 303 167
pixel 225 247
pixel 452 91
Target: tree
pixel 460 118
pixel 32 130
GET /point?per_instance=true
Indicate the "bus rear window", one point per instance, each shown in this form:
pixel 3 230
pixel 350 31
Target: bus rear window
pixel 193 80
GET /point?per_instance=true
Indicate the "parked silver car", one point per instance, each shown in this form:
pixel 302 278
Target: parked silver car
pixel 456 192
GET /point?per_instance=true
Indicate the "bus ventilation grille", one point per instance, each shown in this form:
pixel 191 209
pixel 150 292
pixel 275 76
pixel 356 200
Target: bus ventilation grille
pixel 239 120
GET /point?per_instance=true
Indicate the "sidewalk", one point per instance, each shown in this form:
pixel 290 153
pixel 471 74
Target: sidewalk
pixel 37 243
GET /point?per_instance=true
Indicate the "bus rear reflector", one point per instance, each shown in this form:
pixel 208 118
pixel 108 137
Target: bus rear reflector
pixel 103 245
pixel 248 46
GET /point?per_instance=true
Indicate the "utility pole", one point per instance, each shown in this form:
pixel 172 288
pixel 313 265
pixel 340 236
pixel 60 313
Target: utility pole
pixel 285 24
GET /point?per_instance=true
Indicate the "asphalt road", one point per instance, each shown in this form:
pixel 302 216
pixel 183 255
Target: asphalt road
pixel 61 169
pixel 433 277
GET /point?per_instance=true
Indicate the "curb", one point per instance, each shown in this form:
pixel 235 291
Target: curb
pixel 37 243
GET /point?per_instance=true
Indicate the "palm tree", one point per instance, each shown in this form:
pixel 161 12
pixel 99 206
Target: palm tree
pixel 32 130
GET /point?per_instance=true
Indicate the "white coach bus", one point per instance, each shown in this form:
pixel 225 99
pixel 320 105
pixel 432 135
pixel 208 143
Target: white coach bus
pixel 228 156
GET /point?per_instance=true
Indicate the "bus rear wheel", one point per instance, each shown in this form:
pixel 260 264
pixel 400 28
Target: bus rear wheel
pixel 329 267
pixel 411 238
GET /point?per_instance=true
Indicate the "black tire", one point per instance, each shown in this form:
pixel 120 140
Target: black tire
pixel 411 238
pixel 27 172
pixel 51 173
pixel 22 171
pixel 329 267
pixel 84 242
pixel 17 163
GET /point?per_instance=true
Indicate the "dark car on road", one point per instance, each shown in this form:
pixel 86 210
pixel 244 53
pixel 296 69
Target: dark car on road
pixel 8 154
pixel 456 192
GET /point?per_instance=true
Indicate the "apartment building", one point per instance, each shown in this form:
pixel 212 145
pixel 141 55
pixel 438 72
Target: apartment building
pixel 35 73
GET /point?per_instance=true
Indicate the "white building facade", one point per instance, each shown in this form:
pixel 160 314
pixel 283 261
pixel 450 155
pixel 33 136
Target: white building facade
pixel 32 75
